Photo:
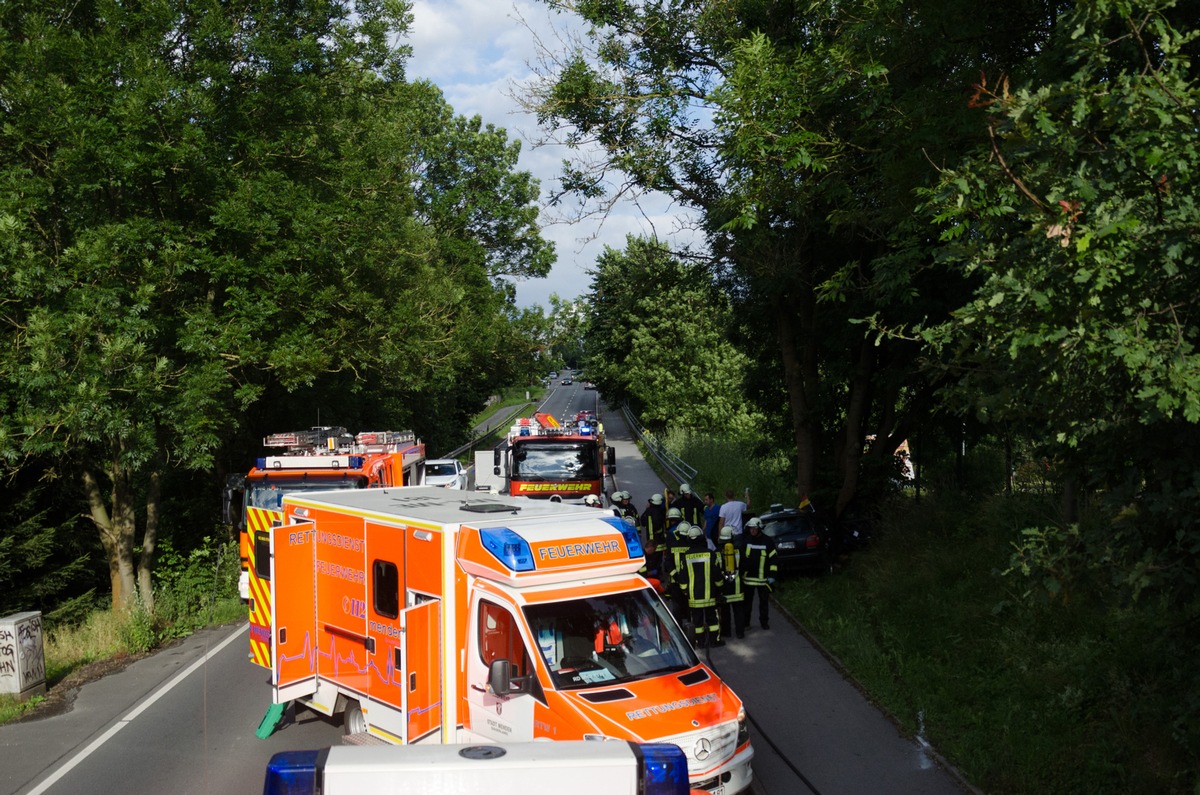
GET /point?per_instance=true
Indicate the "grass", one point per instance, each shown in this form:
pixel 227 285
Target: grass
pixel 1023 687
pixel 509 398
pixel 1022 696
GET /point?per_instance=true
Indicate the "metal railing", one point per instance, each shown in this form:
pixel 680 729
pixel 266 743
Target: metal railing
pixel 492 425
pixel 681 470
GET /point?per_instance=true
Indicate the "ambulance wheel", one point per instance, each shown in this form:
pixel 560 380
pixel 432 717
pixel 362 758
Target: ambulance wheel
pixel 353 720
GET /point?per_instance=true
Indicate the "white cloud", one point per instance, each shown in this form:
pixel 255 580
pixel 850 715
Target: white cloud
pixel 476 51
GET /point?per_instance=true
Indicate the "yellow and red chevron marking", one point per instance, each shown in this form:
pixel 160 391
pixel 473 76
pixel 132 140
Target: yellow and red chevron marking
pixel 260 591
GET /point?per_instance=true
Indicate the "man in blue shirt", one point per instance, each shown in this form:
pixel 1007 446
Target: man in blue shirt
pixel 712 515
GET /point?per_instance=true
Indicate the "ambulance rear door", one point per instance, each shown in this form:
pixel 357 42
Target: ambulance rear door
pixel 293 611
pixel 422 669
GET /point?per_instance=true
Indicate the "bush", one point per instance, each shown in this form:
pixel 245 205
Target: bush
pixel 195 589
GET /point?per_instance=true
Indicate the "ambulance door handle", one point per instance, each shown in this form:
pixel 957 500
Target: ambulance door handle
pixel 354 636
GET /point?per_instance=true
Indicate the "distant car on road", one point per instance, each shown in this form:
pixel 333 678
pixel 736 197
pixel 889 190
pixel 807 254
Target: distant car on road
pixel 566 382
pixel 588 385
pixel 802 539
pixel 448 473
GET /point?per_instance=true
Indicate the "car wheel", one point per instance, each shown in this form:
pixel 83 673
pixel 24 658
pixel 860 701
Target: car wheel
pixel 353 719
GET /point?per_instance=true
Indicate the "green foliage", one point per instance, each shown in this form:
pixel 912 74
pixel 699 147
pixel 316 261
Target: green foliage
pixel 194 590
pixel 1079 226
pixel 216 218
pixel 1075 694
pixel 656 336
pixel 46 563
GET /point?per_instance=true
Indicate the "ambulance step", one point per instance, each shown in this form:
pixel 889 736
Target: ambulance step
pixel 362 738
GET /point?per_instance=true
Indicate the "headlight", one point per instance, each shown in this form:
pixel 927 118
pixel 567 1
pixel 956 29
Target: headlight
pixel 743 728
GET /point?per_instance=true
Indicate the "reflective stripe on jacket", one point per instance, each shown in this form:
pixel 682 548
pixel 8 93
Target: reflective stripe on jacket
pixel 758 560
pixel 701 577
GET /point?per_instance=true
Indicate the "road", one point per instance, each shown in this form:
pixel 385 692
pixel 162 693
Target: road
pixel 184 719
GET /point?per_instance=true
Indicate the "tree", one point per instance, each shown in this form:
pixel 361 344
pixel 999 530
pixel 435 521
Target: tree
pixel 1080 227
pixel 657 337
pixel 799 133
pixel 210 209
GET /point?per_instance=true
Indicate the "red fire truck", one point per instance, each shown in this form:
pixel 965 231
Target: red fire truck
pixel 320 459
pixel 546 459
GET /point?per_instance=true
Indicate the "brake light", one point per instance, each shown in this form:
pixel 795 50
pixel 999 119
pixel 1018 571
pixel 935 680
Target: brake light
pixel 813 541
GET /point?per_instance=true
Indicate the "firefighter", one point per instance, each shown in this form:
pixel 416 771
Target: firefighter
pixel 701 581
pixel 689 505
pixel 677 542
pixel 653 524
pixel 758 572
pixel 592 501
pixel 672 563
pixel 732 598
pixel 624 506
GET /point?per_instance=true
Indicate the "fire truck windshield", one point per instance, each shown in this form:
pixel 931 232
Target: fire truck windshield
pixel 564 460
pixel 268 495
pixel 608 639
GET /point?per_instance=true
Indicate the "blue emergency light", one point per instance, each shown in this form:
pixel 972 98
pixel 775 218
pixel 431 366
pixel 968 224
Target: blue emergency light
pixel 629 533
pixel 295 773
pixel 508 547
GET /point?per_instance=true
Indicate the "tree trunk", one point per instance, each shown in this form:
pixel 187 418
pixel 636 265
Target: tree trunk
pixel 795 378
pixel 116 532
pixel 850 456
pixel 150 540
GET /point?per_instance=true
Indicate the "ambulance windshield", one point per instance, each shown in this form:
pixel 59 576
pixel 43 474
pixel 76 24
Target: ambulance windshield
pixel 555 460
pixel 608 639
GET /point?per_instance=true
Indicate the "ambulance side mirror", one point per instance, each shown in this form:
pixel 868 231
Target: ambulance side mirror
pixel 612 459
pixel 496 461
pixel 502 682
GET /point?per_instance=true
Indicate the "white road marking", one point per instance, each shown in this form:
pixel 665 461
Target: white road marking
pixel 70 764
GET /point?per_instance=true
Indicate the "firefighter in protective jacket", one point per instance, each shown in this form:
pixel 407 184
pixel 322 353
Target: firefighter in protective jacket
pixel 758 571
pixel 701 579
pixel 731 600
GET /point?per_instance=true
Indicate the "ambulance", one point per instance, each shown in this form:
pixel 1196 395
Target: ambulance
pixel 423 615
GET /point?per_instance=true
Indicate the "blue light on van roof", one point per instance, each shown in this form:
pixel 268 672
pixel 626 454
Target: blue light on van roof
pixel 632 541
pixel 293 773
pixel 508 547
pixel 664 768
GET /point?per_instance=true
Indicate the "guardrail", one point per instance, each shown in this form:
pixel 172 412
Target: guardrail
pixel 515 412
pixel 681 470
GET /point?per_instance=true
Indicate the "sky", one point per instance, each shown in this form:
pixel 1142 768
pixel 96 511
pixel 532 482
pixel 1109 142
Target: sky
pixel 479 52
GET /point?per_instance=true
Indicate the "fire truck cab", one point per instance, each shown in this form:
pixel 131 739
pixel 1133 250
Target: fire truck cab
pixel 545 459
pixel 324 458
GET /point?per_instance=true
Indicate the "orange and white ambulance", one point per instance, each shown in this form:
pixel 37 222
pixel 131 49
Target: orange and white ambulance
pixel 425 615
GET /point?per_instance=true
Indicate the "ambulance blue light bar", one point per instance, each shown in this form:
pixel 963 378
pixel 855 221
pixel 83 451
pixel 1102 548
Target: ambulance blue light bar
pixel 630 534
pixel 509 548
pixel 581 767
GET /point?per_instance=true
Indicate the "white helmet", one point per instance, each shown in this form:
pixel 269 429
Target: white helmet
pixel 625 496
pixel 629 521
pixel 726 533
pixel 674 513
pixel 656 499
pixel 591 499
pixel 617 496
pixel 694 532
pixel 684 488
pixel 755 522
